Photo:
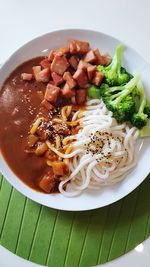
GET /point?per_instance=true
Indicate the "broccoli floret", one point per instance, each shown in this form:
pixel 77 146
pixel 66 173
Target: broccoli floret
pixel 114 73
pixel 123 70
pixel 93 92
pixel 139 118
pixel 119 99
pixel 125 109
pixel 147 110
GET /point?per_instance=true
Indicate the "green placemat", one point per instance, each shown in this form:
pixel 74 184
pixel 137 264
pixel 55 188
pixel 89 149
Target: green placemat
pixel 73 239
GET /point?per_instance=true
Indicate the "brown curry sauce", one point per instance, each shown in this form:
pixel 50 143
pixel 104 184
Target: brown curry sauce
pixel 19 104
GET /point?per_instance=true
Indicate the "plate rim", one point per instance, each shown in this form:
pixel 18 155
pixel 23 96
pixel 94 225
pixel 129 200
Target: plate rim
pixel 2 159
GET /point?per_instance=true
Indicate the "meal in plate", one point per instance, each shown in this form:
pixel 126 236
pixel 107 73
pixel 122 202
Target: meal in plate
pixel 70 120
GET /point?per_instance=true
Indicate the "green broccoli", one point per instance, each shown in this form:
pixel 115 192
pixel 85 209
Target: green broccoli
pixel 93 92
pixel 119 99
pixel 139 118
pixel 147 109
pixel 114 73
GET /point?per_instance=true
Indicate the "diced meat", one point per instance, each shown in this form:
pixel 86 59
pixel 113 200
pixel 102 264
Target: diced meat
pixel 57 78
pixel 59 64
pixel 75 130
pixel 81 95
pixel 98 78
pixel 36 70
pixel 44 113
pixel 62 51
pixel 48 181
pixel 67 92
pixel 82 65
pixel 32 139
pixel 44 75
pixel 60 168
pixel 78 47
pixel 52 93
pixel 107 58
pixel 42 131
pixel 41 75
pixel 73 62
pixel 51 55
pixel 41 149
pixel 47 105
pixel 26 76
pixel 81 78
pixel 91 70
pixel 69 79
pixel 100 59
pixel 51 82
pixel 90 57
pixel 51 155
pixel 47 184
pixel 45 63
pixel 61 128
pixel 59 52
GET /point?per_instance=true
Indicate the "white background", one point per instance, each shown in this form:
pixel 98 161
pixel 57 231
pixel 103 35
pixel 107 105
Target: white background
pixel 128 20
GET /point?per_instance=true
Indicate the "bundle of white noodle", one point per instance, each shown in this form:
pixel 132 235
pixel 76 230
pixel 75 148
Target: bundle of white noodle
pixel 103 151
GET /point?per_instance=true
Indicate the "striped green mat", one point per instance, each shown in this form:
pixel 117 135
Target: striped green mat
pixel 73 239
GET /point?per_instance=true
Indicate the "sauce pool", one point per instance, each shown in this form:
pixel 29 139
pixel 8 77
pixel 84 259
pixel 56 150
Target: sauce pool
pixel 19 104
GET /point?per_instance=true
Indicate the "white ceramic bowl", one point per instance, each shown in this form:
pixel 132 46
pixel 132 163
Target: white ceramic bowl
pixel 132 61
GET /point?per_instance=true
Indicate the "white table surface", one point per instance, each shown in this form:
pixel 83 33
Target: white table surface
pixel 128 20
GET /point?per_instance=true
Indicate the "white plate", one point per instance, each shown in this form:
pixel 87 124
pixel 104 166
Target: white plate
pixel 132 61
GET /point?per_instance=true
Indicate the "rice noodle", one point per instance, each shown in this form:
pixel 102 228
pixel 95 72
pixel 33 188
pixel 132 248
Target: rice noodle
pixel 104 151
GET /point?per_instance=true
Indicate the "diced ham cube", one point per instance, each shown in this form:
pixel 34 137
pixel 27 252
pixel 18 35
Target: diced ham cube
pixel 47 105
pixel 69 79
pixel 41 75
pixel 45 63
pixel 62 128
pixel 44 75
pixel 52 93
pixel 90 57
pixel 43 112
pixel 26 76
pixel 57 78
pixel 36 70
pixel 48 181
pixel 82 65
pixel 67 92
pixel 107 58
pixel 81 96
pixel 51 55
pixel 52 82
pixel 91 70
pixel 41 149
pixel 98 78
pixel 47 184
pixel 51 155
pixel 60 168
pixel 62 51
pixel 100 59
pixel 81 78
pixel 42 132
pixel 78 47
pixel 59 65
pixel 73 62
